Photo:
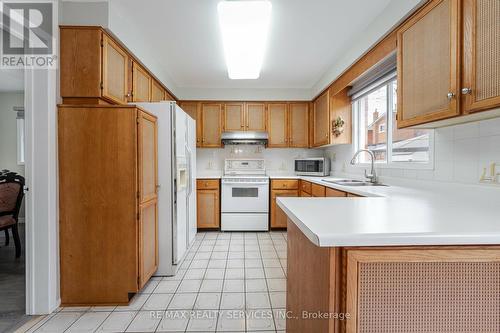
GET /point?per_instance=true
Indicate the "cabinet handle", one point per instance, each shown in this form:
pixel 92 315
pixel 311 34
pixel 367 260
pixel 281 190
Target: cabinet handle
pixel 466 91
pixel 128 95
pixel 450 96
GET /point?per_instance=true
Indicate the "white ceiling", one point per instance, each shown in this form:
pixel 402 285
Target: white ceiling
pixel 180 40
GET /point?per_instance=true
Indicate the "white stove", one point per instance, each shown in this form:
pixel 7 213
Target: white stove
pixel 245 195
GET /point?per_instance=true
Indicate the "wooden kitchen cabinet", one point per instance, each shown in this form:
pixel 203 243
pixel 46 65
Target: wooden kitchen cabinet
pixel 481 76
pixel 281 188
pixel 428 64
pixel 331 192
pixel 305 187
pixel 234 117
pixel 298 124
pixel 211 124
pixel 341 109
pixel 208 203
pixel 318 190
pixel 108 226
pixel 321 120
pixel 193 109
pixel 277 125
pixel 158 94
pixel 114 71
pixel 255 117
pixel 141 83
pixel 97 69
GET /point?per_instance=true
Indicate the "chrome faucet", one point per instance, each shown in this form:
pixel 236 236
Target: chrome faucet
pixel 373 174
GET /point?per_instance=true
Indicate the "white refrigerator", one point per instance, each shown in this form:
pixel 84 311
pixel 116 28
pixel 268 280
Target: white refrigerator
pixel 177 184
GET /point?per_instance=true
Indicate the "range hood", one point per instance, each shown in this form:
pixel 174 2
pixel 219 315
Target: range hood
pixel 244 138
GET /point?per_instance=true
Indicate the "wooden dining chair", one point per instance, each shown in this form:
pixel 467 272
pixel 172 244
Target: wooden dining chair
pixel 11 196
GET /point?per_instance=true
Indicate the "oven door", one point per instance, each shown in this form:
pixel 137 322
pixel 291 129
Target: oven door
pixel 241 197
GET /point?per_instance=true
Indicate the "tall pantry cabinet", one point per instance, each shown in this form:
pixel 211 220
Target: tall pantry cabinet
pixel 108 220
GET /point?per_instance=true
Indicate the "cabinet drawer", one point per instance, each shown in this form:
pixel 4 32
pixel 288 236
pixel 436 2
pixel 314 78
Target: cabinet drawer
pixel 305 186
pixel 207 184
pixel 317 190
pixel 330 192
pixel 285 184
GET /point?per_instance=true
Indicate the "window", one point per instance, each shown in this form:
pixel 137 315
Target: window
pixel 376 130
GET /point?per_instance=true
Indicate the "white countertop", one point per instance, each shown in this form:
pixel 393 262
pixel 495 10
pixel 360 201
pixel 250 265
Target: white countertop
pixel 409 213
pixel 209 175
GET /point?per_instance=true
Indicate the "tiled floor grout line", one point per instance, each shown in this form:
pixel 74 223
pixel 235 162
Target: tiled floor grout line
pixel 267 286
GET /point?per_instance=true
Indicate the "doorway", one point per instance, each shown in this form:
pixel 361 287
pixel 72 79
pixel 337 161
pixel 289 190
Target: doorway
pixel 12 205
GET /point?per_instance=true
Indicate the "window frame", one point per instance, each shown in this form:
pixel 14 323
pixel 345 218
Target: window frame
pixel 388 163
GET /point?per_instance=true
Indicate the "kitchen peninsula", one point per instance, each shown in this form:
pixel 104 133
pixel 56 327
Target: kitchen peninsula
pixel 400 259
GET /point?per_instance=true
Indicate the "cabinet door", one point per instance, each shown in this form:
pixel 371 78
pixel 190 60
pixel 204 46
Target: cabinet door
pixel 148 198
pixel 298 120
pixel 255 117
pixel 428 64
pixel 114 71
pixel 318 190
pixel 211 115
pixel 341 109
pixel 157 92
pixel 278 217
pixel 304 194
pixel 208 208
pixel 141 91
pixel 234 117
pixel 277 125
pixel 321 120
pixel 148 241
pixel 481 72
pixel 331 192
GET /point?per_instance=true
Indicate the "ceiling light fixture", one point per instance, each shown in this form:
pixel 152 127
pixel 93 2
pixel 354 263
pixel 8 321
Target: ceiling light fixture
pixel 244 26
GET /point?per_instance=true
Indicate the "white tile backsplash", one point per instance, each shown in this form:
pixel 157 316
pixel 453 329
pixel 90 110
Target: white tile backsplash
pixel 461 153
pixel 280 160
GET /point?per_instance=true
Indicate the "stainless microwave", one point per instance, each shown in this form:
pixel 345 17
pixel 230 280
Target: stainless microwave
pixel 314 166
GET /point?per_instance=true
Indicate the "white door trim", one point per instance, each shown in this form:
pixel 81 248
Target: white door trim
pixel 42 241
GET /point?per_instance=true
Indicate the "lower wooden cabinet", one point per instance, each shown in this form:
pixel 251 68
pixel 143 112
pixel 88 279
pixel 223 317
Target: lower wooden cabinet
pixel 281 188
pixel 208 203
pixel 108 225
pixel 318 190
pixel 305 188
pixel 331 192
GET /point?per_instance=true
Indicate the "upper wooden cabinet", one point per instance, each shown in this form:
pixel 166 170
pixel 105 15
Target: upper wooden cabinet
pixel 115 62
pixel 211 124
pixel 428 64
pixel 234 117
pixel 341 109
pixel 97 69
pixel 141 82
pixel 158 94
pixel 298 124
pixel 255 116
pixel 277 125
pixel 481 73
pixel 321 120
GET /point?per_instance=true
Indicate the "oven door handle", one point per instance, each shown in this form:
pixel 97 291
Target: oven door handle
pixel 243 184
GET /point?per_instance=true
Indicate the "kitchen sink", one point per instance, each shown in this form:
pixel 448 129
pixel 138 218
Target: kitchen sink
pixel 351 182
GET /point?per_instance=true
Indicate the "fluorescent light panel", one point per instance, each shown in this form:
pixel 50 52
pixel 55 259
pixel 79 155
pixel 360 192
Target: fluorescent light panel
pixel 244 26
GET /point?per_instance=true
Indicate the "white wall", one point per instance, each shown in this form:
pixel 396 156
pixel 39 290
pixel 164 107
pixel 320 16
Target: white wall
pixel 277 160
pixel 461 153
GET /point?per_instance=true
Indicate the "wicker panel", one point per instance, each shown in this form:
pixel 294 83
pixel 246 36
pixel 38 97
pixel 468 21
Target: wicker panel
pixel 440 297
pixel 488 49
pixel 426 63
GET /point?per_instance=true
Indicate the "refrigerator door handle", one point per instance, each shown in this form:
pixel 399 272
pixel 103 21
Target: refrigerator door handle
pixel 190 172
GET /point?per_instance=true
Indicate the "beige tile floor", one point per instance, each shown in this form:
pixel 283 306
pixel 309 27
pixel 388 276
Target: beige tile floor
pixel 229 282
